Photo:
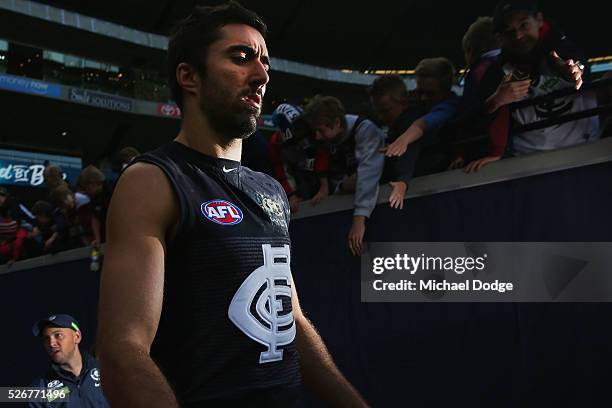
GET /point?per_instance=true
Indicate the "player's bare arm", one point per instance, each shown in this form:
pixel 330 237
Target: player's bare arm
pixel 141 215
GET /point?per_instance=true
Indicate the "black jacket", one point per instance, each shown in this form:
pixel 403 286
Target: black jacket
pixel 83 391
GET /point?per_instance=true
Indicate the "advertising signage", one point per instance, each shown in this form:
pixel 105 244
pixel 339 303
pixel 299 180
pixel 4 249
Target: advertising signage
pixel 25 169
pixel 29 86
pixel 100 100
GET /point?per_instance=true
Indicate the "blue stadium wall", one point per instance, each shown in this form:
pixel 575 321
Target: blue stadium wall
pixel 410 354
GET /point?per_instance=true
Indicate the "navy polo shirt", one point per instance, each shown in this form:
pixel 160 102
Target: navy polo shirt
pixel 83 391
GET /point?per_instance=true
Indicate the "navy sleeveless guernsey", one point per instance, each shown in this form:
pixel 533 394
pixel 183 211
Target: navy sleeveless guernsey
pixel 226 335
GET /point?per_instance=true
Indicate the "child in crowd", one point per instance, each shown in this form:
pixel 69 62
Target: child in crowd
pixel 67 222
pixel 89 187
pixel 45 233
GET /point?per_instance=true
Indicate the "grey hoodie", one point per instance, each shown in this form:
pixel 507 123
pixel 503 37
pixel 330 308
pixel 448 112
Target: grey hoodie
pixel 369 139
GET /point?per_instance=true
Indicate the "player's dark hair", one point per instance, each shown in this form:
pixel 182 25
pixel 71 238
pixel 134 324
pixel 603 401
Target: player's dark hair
pixel 192 37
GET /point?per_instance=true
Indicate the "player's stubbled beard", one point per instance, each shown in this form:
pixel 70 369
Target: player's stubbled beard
pixel 228 114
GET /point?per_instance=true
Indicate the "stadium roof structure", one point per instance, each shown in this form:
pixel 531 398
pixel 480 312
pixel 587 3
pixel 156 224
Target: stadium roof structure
pixel 356 35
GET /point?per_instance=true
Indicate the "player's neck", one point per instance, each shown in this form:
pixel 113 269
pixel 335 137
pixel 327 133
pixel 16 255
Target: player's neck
pixel 197 134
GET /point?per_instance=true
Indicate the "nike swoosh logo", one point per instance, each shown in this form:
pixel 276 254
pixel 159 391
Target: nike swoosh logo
pixel 228 170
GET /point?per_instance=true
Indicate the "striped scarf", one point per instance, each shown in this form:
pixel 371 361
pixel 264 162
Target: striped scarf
pixel 8 230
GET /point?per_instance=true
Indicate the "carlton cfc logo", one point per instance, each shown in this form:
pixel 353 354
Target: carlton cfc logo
pixel 222 212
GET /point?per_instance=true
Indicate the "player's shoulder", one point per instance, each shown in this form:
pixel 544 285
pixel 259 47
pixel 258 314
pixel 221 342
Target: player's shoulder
pixel 140 174
pixel 143 191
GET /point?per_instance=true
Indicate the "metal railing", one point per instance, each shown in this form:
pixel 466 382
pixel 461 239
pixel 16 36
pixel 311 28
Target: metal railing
pixel 541 124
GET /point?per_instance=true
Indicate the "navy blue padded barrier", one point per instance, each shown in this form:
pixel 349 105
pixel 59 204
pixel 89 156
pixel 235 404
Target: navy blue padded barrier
pixel 465 354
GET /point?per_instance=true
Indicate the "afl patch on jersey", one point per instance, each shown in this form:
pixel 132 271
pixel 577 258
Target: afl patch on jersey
pixel 221 212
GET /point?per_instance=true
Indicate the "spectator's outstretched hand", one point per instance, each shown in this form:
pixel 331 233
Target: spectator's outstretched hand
pixel 294 203
pixel 568 69
pixel 397 148
pixel 355 237
pixel 510 90
pixel 321 194
pixel 48 243
pixel 477 165
pixel 34 233
pixel 398 190
pixel 458 163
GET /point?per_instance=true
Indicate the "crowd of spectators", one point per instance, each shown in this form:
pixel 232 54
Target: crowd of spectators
pixel 515 55
pixel 65 217
pixel 320 149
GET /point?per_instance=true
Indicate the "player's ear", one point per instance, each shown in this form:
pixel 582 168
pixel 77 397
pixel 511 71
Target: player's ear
pixel 188 78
